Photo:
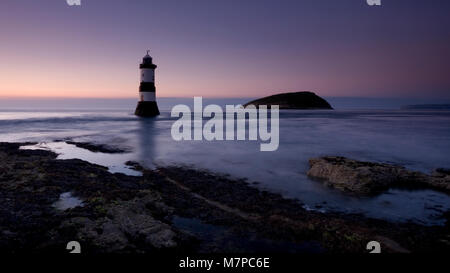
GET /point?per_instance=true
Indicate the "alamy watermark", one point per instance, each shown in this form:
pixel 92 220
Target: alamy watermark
pixel 73 2
pixel 374 247
pixel 373 2
pixel 220 128
pixel 74 247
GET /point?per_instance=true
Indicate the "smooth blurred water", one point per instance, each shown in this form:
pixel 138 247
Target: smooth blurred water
pixel 418 140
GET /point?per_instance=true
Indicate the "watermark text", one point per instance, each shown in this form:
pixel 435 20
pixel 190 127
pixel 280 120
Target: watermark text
pixel 230 124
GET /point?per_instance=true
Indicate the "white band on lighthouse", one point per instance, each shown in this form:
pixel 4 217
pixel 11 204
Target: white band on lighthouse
pixel 147 75
pixel 147 96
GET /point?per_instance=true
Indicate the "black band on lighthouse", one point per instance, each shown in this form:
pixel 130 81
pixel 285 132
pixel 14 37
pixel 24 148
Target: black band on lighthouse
pixel 147 87
pixel 151 66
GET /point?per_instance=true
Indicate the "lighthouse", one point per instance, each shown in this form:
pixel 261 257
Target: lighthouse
pixel 147 106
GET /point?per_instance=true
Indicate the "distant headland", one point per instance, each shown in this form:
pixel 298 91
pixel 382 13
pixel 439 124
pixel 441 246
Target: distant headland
pixel 293 100
pixel 427 107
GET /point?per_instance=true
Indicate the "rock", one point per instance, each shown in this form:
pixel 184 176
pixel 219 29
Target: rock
pixel 440 178
pixel 135 221
pixel 127 225
pixel 134 165
pixel 441 172
pixel 353 176
pixel 369 178
pixel 101 148
pixel 294 100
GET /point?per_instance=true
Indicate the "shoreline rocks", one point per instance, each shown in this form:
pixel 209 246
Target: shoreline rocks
pixel 94 147
pixel 125 226
pixel 129 214
pixel 368 178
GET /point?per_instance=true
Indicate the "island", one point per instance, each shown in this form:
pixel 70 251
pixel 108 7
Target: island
pixel 295 100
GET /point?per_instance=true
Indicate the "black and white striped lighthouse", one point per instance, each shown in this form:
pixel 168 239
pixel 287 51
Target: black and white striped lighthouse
pixel 147 106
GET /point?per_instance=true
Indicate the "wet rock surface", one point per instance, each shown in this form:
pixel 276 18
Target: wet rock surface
pixel 125 226
pixel 95 147
pixel 367 178
pixel 174 209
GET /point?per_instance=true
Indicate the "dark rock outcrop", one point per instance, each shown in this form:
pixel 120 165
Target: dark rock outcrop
pixel 119 214
pixel 101 148
pixel 369 178
pixel 294 100
pixel 125 224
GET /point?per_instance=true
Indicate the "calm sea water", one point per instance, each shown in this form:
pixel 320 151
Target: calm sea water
pixel 359 129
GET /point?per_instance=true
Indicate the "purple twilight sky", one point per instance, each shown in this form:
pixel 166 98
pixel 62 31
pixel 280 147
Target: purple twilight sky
pixel 233 48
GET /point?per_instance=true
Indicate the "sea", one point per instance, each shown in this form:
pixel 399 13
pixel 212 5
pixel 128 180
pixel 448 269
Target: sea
pixel 370 129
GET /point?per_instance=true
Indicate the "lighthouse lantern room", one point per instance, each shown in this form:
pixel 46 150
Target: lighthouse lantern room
pixel 147 106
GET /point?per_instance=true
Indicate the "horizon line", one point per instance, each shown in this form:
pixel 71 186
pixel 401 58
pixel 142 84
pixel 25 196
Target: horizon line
pixel 209 97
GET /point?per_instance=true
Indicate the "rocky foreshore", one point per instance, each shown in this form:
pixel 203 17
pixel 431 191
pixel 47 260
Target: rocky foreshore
pixel 102 148
pixel 174 209
pixel 361 177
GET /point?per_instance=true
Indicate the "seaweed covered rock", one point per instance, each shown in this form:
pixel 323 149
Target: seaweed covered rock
pixel 361 177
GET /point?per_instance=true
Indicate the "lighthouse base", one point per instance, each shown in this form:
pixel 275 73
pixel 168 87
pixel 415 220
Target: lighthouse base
pixel 147 109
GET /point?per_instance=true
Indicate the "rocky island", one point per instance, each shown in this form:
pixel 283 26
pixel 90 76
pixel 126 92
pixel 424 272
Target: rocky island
pixel 295 100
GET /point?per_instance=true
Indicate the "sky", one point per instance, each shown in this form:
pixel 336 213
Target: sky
pixel 232 48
